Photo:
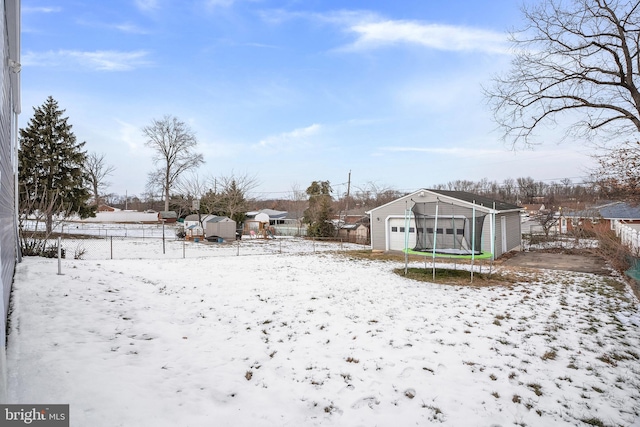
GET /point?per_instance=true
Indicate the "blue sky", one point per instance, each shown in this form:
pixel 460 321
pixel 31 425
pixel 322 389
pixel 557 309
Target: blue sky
pixel 288 91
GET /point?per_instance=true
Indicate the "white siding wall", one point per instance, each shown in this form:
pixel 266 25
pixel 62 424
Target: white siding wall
pixel 9 107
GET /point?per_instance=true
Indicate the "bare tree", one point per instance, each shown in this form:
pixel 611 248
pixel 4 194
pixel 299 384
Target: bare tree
pixel 97 171
pixel 297 203
pixel 508 190
pixel 618 174
pixel 579 57
pixel 191 188
pixel 233 194
pixel 372 194
pixel 547 220
pixel 526 189
pixel 174 143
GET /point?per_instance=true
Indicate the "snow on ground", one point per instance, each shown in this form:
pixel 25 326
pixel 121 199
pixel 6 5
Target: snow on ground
pixel 306 339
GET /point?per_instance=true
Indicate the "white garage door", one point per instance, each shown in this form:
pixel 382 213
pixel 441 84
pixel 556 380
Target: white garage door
pixel 396 233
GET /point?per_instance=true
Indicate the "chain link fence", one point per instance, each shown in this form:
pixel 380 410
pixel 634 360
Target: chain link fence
pixel 146 241
pixel 123 247
pixel 536 238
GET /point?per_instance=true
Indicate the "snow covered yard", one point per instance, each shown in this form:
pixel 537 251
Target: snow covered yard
pixel 318 339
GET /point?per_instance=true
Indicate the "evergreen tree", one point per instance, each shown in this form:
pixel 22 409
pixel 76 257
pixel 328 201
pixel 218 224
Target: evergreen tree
pixel 51 177
pixel 318 214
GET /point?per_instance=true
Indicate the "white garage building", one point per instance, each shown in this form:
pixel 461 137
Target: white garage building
pixel 494 224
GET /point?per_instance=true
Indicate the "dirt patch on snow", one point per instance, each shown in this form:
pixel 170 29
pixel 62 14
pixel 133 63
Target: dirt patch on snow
pixel 583 262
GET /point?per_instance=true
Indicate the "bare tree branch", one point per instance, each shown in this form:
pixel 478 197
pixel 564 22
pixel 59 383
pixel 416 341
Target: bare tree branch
pixel 578 56
pixel 97 171
pixel 174 143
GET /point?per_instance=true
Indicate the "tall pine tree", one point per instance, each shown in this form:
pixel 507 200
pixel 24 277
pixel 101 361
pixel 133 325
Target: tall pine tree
pixel 52 182
pixel 318 214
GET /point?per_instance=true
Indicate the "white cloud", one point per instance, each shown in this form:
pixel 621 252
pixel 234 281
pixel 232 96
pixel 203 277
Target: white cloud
pixel 105 60
pixel 125 27
pixel 453 151
pixel 213 4
pixel 220 3
pixel 290 139
pixel 132 136
pixel 130 28
pixel 372 35
pixel 147 5
pixel 373 31
pixel 40 9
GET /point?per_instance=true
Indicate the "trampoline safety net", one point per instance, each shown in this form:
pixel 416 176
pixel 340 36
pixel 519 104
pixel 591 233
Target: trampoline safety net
pixel 448 228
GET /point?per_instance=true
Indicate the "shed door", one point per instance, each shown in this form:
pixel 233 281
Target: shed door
pixel 396 233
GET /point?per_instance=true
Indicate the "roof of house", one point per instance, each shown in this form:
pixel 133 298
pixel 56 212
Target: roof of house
pixel 273 214
pixel 168 214
pixel 615 210
pixel 478 200
pixel 195 217
pixel 463 196
pixel 219 219
pixel 534 207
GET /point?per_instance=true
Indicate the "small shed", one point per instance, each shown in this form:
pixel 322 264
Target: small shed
pixel 169 217
pixel 193 232
pixel 197 220
pixel 221 226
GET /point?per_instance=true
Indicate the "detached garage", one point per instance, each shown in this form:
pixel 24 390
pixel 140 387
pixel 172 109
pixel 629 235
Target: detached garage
pixel 449 223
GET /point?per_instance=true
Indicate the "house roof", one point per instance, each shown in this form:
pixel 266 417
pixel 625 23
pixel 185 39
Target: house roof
pixel 194 217
pixel 168 214
pixel 273 214
pixel 463 196
pixel 219 219
pixel 478 200
pixel 534 207
pixel 615 210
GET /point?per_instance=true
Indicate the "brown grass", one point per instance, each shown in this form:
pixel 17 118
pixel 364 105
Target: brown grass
pixel 452 277
pixel 448 276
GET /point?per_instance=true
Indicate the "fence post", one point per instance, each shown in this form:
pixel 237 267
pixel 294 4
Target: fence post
pixel 238 254
pixel 111 239
pixel 163 246
pixel 59 255
pixel 183 248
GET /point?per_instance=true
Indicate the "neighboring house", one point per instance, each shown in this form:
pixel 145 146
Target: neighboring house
pixel 601 217
pixel 107 208
pixel 9 111
pixel 500 220
pixel 283 223
pixel 275 217
pixel 220 226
